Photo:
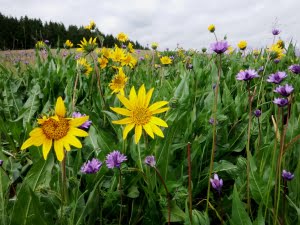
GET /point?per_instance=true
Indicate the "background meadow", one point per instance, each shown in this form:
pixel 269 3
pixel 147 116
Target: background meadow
pixel 214 132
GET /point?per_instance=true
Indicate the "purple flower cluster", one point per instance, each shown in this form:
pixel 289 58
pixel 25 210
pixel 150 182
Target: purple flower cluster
pixel 219 47
pixel 247 75
pixel 86 124
pixel 287 175
pixel 216 183
pixel 295 69
pixel 277 77
pixel 150 161
pixel 114 159
pixel 92 166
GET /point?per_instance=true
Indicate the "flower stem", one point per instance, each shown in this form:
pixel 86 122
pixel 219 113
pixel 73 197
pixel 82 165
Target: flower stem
pixel 167 193
pixel 74 91
pixel 121 197
pixel 214 130
pixel 190 180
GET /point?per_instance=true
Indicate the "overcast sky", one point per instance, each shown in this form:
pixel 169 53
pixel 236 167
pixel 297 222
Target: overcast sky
pixel 170 22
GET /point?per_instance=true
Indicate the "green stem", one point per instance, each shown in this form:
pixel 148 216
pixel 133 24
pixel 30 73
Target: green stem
pixel 121 197
pixel 190 181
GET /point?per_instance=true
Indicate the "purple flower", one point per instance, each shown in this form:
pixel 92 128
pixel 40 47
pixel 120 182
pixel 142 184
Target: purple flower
pixel 275 31
pixel 285 90
pixel 281 102
pixel 86 124
pixel 172 57
pixel 276 61
pixel 115 159
pixel 257 113
pixel 277 77
pixel 247 75
pixel 141 58
pixel 295 68
pixel 1 162
pixel 219 47
pixel 190 66
pixel 261 69
pixel 216 183
pixel 47 41
pixel 287 175
pixel 92 166
pixel 150 161
pixel 211 121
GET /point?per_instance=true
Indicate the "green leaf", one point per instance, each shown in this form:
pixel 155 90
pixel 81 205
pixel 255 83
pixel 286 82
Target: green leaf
pixel 133 192
pixel 260 219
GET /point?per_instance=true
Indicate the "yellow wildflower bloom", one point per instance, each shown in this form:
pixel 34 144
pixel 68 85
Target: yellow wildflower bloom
pixel 57 130
pixel 88 46
pixel 91 26
pixel 256 52
pixel 129 60
pixel 118 83
pixel 130 47
pixel 122 37
pixel 165 60
pixel 242 45
pixel 40 45
pixel 280 43
pixel 84 67
pixel 154 45
pixel 106 52
pixel 276 52
pixel 102 62
pixel 211 28
pixel 140 115
pixel 68 44
pixel 118 54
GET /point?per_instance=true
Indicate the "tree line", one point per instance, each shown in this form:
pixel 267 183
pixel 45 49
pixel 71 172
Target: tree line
pixel 23 33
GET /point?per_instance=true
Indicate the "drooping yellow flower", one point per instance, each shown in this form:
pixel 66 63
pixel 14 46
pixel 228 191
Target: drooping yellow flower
pixel 165 60
pixel 68 44
pixel 91 26
pixel 276 52
pixel 83 66
pixel 140 115
pixel 88 46
pixel 242 45
pixel 130 47
pixel 57 130
pixel 40 45
pixel 211 28
pixel 118 54
pixel 122 37
pixel 102 62
pixel 119 81
pixel 154 45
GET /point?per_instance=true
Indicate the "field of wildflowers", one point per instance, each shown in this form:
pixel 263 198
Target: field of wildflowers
pixel 119 136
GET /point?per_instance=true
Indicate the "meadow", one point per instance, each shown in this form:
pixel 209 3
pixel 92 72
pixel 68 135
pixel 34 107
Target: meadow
pixel 121 136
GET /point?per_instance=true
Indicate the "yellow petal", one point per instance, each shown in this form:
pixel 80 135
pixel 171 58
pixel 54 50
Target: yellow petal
pixel 67 146
pixel 142 95
pixel 125 102
pixel 127 129
pixel 148 130
pixel 123 121
pixel 148 97
pixel 46 147
pixel 59 149
pixel 156 130
pixel 72 140
pixel 77 132
pixel 132 95
pixel 60 108
pixel 160 110
pixel 76 122
pixel 29 142
pixel 157 105
pixel 138 133
pixel 122 111
pixel 158 121
pixel 36 132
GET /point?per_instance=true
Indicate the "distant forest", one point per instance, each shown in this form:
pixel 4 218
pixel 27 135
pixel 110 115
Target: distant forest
pixel 23 33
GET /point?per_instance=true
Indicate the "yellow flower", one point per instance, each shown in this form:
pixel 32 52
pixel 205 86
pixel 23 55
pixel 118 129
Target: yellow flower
pixel 91 26
pixel 154 45
pixel 88 46
pixel 211 28
pixel 276 52
pixel 102 62
pixel 118 54
pixel 106 52
pixel 118 83
pixel 57 130
pixel 83 66
pixel 256 52
pixel 40 45
pixel 147 56
pixel 122 37
pixel 280 43
pixel 68 44
pixel 230 50
pixel 242 45
pixel 130 47
pixel 165 60
pixel 140 115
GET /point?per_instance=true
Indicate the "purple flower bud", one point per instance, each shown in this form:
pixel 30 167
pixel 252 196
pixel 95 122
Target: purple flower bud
pixel 287 175
pixel 114 159
pixel 257 113
pixel 295 68
pixel 216 183
pixel 277 77
pixel 211 121
pixel 150 161
pixel 219 47
pixel 285 90
pixel 1 162
pixel 281 102
pixel 275 31
pixel 92 166
pixel 86 124
pixel 276 61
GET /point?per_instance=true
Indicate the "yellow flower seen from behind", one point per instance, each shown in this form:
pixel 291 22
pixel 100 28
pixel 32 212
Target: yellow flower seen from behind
pixel 68 44
pixel 276 52
pixel 91 26
pixel 40 45
pixel 84 67
pixel 154 45
pixel 242 45
pixel 87 46
pixel 140 115
pixel 130 47
pixel 165 60
pixel 122 37
pixel 58 131
pixel 118 83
